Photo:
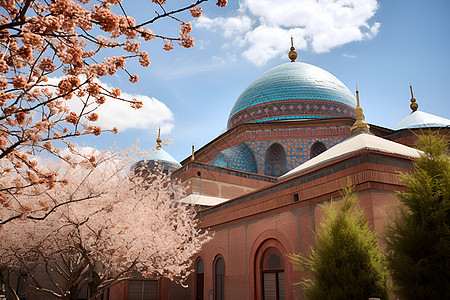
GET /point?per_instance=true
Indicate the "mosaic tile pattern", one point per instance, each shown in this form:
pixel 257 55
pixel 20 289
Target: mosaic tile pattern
pixel 239 157
pixel 297 150
pixel 293 81
pixel 250 154
pixel 291 110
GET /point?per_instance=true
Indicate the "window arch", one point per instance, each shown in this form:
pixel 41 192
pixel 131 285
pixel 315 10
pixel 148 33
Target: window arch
pixel 199 279
pixel 273 278
pixel 275 160
pixel 317 148
pixel 219 278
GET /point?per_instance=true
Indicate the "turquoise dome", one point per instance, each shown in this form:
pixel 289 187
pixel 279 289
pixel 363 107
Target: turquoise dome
pixel 292 91
pixel 158 158
pixel 239 157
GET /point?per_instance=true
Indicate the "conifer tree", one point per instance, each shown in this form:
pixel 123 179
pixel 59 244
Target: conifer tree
pixel 418 238
pixel 346 262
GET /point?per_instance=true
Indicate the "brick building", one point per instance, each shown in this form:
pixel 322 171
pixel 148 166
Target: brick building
pixel 296 136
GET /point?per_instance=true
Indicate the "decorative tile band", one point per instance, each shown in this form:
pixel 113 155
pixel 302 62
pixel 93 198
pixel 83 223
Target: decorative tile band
pixel 291 110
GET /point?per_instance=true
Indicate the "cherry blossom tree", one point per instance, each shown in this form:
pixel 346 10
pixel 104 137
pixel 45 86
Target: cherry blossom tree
pixel 53 53
pixel 129 224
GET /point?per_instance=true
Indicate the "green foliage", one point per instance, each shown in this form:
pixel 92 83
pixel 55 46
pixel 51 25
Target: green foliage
pixel 418 238
pixel 346 262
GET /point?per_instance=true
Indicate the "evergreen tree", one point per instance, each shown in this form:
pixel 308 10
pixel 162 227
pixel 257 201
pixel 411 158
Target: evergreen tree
pixel 346 262
pixel 418 238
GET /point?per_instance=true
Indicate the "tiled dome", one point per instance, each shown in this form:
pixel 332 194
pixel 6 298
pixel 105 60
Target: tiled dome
pixel 239 157
pixel 290 91
pixel 159 158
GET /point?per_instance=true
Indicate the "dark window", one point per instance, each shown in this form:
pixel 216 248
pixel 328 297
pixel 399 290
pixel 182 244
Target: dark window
pixel 295 197
pixel 317 148
pixel 200 279
pixel 274 263
pixel 142 289
pixel 275 160
pixel 219 279
pixel 275 153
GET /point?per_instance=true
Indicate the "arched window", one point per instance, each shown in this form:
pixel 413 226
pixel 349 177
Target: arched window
pixel 219 278
pixel 273 281
pixel 317 148
pixel 275 160
pixel 200 279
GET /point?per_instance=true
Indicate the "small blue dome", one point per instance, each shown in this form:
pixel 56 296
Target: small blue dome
pixel 293 90
pixel 159 158
pixel 239 157
pixel 420 119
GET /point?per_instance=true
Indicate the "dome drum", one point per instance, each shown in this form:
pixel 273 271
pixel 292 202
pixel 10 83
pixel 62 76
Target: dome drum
pixel 296 109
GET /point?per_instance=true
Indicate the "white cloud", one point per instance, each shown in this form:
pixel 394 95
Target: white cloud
pixel 228 26
pixel 262 27
pixel 117 113
pixel 267 42
pixel 348 55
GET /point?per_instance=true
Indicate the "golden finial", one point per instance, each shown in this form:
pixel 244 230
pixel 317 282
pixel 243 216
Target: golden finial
pixel 192 155
pixel 414 106
pixel 292 53
pixel 158 140
pixel 359 125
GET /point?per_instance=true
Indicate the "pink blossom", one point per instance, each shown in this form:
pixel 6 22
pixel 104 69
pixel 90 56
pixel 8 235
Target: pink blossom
pixel 93 89
pixel 93 117
pixel 168 46
pixel 50 39
pixel 147 34
pixel 127 221
pixel 31 39
pixel 97 130
pixel 3 83
pixel 72 118
pixel 134 78
pixel 46 64
pixel 19 82
pixel 115 92
pixel 185 28
pixel 222 3
pixel 20 118
pixel 137 104
pixel 101 100
pixel 66 86
pixel 186 41
pixel 26 52
pixel 144 59
pixel 132 47
pixel 196 12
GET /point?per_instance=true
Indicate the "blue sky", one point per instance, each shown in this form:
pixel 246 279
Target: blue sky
pixel 381 46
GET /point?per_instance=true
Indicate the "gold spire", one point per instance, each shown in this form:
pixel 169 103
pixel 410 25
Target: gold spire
pixel 193 150
pixel 292 53
pixel 359 125
pixel 158 140
pixel 414 106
